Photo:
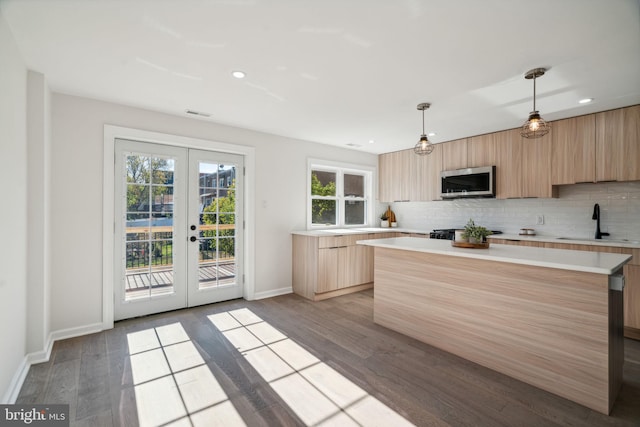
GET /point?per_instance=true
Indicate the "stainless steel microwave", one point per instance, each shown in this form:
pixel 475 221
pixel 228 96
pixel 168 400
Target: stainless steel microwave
pixel 469 182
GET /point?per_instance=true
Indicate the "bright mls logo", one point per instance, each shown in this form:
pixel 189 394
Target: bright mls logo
pixel 34 415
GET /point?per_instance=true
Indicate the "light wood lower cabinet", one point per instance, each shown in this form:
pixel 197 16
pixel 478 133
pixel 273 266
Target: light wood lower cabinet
pixel 328 266
pixel 632 300
pixel 631 273
pixel 331 269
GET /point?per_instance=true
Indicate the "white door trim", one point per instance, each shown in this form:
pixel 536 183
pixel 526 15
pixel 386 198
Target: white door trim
pixel 112 132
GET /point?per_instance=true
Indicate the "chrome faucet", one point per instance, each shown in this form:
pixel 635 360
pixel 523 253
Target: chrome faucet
pixel 596 216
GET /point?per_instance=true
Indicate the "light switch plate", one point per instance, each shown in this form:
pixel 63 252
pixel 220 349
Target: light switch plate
pixel 540 220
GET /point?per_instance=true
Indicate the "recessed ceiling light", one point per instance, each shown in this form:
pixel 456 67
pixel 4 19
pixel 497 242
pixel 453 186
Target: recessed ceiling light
pixel 585 101
pixel 371 141
pixel 238 74
pixel 431 134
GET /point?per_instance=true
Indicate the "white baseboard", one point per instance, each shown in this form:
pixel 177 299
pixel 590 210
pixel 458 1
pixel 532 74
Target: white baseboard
pixel 12 392
pixel 63 334
pixel 43 356
pixel 273 293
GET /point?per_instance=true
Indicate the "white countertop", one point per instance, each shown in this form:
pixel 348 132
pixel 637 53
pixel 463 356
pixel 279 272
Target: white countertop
pixel 634 244
pixel 364 230
pixel 591 262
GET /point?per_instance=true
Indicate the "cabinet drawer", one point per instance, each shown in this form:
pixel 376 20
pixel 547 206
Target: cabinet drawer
pixel 336 241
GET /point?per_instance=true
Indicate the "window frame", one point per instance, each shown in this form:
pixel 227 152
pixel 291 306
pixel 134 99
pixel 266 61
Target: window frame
pixel 340 169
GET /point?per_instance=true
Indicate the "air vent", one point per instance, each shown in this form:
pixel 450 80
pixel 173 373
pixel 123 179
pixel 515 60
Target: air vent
pixel 197 113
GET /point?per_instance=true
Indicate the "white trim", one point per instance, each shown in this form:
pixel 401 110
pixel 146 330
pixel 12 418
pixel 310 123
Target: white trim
pixel 273 293
pixel 342 167
pixel 42 355
pixel 112 132
pixel 11 395
pixel 78 331
pixel 15 385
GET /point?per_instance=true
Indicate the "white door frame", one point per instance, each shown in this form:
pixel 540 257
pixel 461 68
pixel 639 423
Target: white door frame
pixel 112 132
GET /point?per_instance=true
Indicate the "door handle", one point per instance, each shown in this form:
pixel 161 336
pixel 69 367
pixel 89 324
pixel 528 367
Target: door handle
pixel 193 238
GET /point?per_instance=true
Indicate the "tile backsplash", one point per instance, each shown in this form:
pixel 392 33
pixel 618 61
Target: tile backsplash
pixel 569 215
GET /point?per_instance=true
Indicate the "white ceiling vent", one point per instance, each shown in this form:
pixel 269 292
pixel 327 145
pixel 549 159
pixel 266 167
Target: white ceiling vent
pixel 197 113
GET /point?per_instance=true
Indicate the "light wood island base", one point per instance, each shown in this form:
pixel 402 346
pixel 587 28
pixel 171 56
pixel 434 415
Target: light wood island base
pixel 556 329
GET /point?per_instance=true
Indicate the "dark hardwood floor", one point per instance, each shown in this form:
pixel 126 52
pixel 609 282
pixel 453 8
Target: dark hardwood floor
pixel 426 386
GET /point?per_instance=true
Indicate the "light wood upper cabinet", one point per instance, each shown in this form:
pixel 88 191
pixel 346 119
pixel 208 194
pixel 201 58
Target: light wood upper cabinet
pixel 573 150
pixel 591 148
pixel 502 150
pixel 618 144
pixel 508 146
pixel 481 151
pixel 406 176
pixel 385 177
pixel 454 154
pixel 536 167
pixel 397 173
pixel 428 176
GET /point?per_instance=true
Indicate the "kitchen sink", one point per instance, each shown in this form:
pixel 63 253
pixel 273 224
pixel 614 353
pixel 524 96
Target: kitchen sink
pixel 582 239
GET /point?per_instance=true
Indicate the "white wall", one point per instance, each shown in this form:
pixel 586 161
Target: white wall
pixel 568 215
pixel 76 197
pixel 13 209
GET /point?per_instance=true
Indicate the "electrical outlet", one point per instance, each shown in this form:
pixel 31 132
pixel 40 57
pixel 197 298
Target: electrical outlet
pixel 540 220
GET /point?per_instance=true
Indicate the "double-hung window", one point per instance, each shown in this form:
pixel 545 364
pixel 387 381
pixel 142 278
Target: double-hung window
pixel 339 195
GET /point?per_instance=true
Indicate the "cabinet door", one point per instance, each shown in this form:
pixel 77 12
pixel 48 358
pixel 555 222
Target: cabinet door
pixel 358 266
pixel 395 172
pixel 536 167
pixel 385 175
pixel 428 175
pixel 481 151
pixel 574 150
pixel 508 164
pixel 454 154
pixel 618 144
pixel 327 270
pixel 632 296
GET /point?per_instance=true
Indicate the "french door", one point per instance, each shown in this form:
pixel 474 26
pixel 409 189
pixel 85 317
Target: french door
pixel 178 228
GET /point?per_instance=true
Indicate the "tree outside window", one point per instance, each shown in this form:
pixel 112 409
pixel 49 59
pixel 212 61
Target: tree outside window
pixel 338 197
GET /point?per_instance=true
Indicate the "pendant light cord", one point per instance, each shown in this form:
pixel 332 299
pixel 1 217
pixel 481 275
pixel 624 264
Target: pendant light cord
pixel 534 92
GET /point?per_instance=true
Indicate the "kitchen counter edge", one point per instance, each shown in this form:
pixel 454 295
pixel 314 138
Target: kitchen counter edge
pixel 563 259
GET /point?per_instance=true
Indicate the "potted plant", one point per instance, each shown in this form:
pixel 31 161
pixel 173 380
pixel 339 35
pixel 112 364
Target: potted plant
pixel 384 220
pixel 475 233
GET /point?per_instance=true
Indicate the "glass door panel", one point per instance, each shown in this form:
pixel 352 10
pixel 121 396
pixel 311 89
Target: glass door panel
pixel 151 270
pixel 176 220
pixel 149 226
pixel 215 209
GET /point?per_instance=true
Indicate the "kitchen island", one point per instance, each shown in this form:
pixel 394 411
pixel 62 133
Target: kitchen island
pixel 548 317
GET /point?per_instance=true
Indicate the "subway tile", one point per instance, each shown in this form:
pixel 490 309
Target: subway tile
pixel 568 214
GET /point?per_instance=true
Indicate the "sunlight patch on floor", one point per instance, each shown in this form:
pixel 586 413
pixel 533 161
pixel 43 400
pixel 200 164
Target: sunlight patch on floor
pixel 318 394
pixel 173 385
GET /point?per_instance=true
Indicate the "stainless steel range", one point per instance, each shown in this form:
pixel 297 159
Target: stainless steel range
pixel 450 233
pixel 443 233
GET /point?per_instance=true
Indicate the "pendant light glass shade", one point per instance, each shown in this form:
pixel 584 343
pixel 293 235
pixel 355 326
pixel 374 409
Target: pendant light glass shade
pixel 535 126
pixel 424 146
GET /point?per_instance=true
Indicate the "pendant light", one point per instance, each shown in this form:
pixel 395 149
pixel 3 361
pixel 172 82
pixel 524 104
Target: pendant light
pixel 423 147
pixel 535 126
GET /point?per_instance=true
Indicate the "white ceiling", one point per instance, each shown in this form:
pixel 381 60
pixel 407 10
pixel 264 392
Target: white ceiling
pixel 339 71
